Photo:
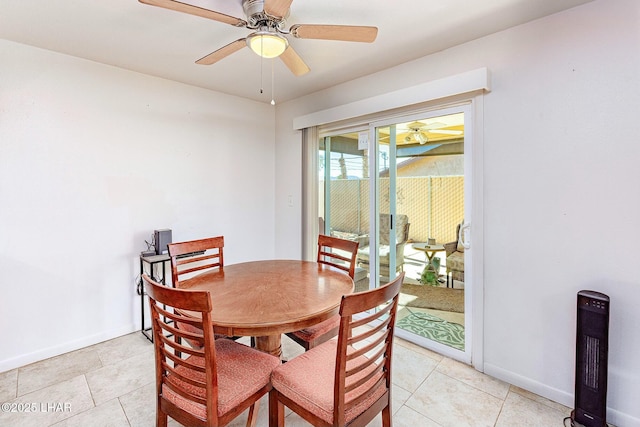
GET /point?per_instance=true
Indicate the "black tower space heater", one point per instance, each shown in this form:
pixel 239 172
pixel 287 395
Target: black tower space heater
pixel 592 352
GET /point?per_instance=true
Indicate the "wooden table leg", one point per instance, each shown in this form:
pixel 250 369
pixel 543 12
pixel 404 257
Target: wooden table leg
pixel 271 344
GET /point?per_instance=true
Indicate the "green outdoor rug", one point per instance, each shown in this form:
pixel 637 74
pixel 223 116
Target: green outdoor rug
pixel 434 328
pixel 437 298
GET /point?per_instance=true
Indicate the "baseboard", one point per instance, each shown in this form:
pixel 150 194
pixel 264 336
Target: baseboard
pixel 620 419
pixel 614 417
pixel 536 387
pixel 42 354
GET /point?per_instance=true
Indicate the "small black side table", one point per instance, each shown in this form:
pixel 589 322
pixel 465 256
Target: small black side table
pixel 151 262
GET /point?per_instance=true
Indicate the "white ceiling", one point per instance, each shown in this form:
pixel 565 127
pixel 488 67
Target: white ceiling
pixel 165 43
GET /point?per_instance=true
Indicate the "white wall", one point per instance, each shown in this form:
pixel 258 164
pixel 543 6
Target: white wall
pixel 561 145
pixel 93 159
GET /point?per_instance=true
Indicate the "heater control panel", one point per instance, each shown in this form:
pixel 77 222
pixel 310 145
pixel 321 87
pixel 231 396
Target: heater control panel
pixel 593 300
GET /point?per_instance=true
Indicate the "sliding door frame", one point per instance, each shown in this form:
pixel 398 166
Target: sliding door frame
pixel 473 102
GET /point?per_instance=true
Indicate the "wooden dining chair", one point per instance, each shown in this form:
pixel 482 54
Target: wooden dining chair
pixel 208 386
pixel 331 251
pixel 344 382
pixel 194 257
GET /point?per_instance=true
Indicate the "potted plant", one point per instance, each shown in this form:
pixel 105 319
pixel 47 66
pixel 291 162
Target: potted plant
pixel 430 273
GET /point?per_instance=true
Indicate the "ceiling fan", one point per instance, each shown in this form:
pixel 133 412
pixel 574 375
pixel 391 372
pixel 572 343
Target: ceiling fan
pixel 267 18
pixel 418 131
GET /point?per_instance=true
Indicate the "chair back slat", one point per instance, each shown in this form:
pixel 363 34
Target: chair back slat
pixel 186 271
pixel 372 347
pixel 375 371
pixel 175 374
pixel 373 329
pixel 176 344
pixel 357 399
pixel 338 253
pixel 195 256
pixel 180 361
pixel 365 343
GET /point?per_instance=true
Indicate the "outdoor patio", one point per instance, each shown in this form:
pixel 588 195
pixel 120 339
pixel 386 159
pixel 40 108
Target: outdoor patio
pixel 419 303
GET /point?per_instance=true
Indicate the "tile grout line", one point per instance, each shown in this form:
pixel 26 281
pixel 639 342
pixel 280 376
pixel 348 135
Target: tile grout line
pixel 500 411
pixel 123 410
pixel 503 399
pixel 86 380
pixel 15 395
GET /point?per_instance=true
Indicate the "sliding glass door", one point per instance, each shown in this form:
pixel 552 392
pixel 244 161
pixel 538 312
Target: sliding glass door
pixel 400 189
pixel 343 203
pixel 421 203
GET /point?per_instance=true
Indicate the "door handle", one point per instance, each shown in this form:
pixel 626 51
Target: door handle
pixel 463 235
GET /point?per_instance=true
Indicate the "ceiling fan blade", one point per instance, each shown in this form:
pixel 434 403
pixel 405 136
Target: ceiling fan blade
pixel 445 131
pixel 223 52
pixel 277 8
pixel 348 33
pixel 198 11
pixel 294 62
pixel 415 125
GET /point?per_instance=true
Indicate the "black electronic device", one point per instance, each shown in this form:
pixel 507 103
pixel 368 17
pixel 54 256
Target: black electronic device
pixel 592 353
pixel 161 239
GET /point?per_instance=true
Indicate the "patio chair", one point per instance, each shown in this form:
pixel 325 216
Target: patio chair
pixel 401 238
pixel 208 386
pixel 328 254
pixel 455 259
pixel 344 382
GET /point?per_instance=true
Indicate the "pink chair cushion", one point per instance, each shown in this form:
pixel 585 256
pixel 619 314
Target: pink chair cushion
pixel 242 371
pixel 308 380
pixel 315 331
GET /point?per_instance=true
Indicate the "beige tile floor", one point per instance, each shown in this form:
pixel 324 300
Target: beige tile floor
pixel 112 384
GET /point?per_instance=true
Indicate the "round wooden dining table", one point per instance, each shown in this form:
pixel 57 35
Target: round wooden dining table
pixel 265 299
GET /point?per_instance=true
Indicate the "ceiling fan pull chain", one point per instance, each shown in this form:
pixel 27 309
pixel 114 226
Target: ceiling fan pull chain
pixel 261 73
pixel 273 85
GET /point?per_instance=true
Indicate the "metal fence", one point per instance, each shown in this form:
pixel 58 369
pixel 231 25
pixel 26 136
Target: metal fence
pixel 434 205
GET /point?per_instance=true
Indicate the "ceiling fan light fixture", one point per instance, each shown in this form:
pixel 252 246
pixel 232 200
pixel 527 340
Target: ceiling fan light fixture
pixel 267 44
pixel 420 138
